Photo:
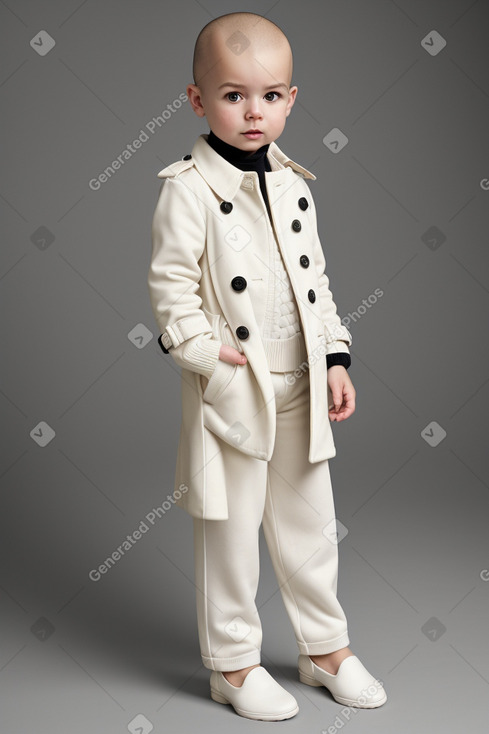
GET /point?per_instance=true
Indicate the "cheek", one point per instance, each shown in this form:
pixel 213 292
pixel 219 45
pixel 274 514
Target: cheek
pixel 228 115
pixel 279 117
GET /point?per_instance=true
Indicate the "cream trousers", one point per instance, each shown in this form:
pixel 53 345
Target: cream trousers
pixel 294 500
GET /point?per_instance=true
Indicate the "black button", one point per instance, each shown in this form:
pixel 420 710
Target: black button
pixel 296 225
pixel 186 157
pixel 161 345
pixel 311 295
pixel 226 207
pixel 242 332
pixel 303 203
pixel 304 261
pixel 239 283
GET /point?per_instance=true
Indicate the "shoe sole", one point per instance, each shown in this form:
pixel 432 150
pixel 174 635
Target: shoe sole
pixel 219 698
pixel 304 678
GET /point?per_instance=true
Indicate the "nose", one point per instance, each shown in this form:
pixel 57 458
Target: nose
pixel 254 110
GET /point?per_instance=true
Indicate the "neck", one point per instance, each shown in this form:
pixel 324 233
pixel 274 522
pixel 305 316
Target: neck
pixel 231 153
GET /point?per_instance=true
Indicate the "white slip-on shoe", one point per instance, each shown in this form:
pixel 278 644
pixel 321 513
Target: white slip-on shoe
pixel 260 696
pixel 352 685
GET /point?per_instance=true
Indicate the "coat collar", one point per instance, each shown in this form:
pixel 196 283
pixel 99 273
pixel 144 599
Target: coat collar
pixel 224 178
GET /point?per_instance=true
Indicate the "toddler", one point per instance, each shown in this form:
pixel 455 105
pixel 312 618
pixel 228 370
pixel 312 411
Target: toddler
pixel 239 292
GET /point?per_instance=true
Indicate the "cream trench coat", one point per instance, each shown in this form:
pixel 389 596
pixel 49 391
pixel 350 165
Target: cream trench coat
pixel 209 272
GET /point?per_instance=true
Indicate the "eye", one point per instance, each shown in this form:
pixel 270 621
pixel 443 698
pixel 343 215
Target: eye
pixel 277 94
pixel 230 94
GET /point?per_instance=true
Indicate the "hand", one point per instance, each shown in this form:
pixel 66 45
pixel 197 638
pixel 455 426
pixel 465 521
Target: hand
pixel 343 393
pixel 231 355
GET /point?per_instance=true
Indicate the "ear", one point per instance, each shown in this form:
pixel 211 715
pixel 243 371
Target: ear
pixel 195 97
pixel 291 100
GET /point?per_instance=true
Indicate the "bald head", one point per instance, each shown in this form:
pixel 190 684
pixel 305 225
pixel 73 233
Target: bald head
pixel 235 34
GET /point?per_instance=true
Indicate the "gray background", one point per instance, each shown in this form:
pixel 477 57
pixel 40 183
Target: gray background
pixel 403 207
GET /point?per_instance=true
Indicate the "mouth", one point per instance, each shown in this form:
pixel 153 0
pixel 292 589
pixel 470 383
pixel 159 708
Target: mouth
pixel 253 133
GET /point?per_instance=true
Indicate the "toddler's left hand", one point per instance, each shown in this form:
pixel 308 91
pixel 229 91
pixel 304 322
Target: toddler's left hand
pixel 343 393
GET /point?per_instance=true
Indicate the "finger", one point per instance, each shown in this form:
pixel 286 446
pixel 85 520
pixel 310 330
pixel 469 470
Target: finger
pixel 350 401
pixel 231 355
pixel 337 400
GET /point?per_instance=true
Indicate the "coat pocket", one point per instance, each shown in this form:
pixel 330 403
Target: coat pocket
pixel 224 372
pixel 218 381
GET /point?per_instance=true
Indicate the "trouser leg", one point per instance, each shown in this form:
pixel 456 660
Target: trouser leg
pixel 299 506
pixel 227 566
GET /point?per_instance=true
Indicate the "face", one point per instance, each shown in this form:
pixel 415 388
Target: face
pixel 243 93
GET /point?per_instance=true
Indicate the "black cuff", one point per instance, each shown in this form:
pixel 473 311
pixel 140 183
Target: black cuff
pixel 342 358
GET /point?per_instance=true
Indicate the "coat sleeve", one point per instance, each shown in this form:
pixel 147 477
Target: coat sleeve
pixel 198 354
pixel 338 338
pixel 178 239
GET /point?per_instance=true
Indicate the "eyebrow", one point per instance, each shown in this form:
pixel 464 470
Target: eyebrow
pixel 243 86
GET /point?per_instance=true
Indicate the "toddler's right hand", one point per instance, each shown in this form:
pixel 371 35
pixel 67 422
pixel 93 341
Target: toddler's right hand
pixel 231 355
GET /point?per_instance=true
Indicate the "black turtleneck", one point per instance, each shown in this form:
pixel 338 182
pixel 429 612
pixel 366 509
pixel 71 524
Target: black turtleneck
pixel 257 160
